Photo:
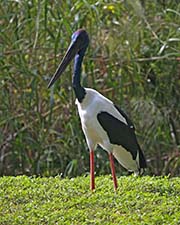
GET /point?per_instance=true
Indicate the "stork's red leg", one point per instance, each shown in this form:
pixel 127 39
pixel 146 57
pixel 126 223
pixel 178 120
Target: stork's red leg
pixel 92 180
pixel 111 159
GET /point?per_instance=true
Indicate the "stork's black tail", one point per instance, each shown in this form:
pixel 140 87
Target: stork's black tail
pixel 142 162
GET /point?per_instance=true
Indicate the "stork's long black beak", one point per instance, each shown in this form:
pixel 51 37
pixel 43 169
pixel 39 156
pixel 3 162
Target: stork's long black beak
pixel 70 54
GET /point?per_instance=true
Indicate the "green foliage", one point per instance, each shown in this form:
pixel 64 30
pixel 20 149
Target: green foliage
pixel 145 200
pixel 133 59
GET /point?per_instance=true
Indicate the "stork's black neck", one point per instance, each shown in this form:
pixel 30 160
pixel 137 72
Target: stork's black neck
pixel 76 81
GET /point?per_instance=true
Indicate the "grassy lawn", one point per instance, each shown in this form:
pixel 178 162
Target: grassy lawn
pixel 145 200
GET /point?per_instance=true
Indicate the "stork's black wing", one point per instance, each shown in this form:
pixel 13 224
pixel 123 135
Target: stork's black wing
pixel 129 122
pixel 122 134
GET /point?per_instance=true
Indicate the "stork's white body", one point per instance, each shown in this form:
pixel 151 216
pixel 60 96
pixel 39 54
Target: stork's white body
pixel 92 104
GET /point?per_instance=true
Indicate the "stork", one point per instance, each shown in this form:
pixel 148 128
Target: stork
pixel 103 123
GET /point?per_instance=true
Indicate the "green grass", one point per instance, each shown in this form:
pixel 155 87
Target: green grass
pixel 144 200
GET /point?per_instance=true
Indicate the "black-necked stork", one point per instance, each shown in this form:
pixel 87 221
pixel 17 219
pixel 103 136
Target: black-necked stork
pixel 103 123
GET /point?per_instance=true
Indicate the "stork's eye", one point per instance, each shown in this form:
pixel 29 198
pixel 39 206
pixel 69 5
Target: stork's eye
pixel 73 38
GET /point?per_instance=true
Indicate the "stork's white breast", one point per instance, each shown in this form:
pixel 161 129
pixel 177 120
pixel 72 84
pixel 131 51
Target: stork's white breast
pixel 92 104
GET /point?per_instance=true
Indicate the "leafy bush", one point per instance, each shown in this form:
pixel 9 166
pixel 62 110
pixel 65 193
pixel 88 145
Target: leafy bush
pixel 133 59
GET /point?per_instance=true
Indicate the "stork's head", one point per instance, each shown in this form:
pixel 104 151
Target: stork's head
pixel 78 45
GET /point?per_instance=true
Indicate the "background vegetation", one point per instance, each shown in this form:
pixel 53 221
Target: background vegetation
pixel 133 59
